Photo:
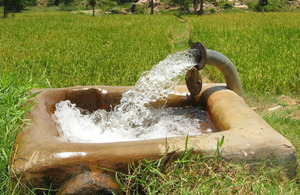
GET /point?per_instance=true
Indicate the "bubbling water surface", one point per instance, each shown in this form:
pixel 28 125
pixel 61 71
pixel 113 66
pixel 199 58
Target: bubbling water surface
pixel 131 119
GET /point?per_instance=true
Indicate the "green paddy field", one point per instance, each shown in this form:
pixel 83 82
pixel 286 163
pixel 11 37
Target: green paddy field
pixel 60 49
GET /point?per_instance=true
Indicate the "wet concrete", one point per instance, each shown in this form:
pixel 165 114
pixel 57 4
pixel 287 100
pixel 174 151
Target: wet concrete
pixel 43 158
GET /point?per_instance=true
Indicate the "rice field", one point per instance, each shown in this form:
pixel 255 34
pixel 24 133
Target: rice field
pixel 58 49
pixel 69 50
pixel 264 47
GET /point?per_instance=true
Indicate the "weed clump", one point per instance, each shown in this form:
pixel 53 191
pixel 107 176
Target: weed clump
pixel 190 173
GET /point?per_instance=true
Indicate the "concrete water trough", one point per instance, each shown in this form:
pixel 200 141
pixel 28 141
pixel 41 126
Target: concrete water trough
pixel 43 158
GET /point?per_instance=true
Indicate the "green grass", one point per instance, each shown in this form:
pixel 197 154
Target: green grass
pixel 40 9
pixel 79 50
pixel 189 173
pixel 264 48
pixel 13 108
pixel 88 50
pixel 67 49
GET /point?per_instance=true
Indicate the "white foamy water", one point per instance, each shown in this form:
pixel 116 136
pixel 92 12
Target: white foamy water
pixel 131 119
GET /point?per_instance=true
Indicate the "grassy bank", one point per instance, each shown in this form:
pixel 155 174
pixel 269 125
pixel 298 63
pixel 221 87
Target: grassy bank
pixel 63 49
pixel 12 111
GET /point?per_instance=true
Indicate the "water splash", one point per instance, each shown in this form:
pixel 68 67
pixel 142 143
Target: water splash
pixel 131 119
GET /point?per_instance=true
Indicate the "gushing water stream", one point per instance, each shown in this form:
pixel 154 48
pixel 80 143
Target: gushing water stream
pixel 131 119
